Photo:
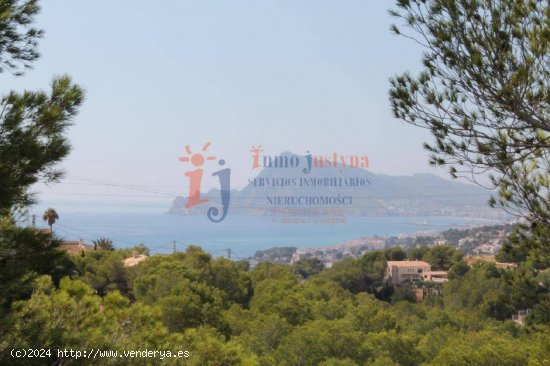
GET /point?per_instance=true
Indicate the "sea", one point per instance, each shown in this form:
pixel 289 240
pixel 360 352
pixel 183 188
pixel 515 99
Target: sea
pixel 244 235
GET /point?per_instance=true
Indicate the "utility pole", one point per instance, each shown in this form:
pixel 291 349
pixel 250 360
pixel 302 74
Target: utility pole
pixel 174 244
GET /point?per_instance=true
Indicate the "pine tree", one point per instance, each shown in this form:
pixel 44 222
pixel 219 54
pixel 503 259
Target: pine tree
pixel 33 125
pixel 484 94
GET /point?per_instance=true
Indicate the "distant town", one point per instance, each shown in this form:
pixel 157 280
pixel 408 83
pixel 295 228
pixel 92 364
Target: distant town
pixel 483 241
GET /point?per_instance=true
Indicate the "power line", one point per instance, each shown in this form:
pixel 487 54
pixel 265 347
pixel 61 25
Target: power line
pixel 90 233
pixel 173 243
pixel 150 189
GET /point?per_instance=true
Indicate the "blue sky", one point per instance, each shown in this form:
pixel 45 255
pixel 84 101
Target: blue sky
pixel 290 75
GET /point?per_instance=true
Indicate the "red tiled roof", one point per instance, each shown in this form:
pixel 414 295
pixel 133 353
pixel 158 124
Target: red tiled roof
pixel 408 264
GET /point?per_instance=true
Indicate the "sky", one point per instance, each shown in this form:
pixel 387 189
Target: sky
pixel 310 75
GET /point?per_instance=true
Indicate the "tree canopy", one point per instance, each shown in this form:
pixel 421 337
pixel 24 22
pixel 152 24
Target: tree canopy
pixel 226 314
pixel 18 36
pixel 33 126
pixel 484 94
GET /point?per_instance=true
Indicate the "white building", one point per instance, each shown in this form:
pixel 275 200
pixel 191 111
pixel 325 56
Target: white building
pixel 398 272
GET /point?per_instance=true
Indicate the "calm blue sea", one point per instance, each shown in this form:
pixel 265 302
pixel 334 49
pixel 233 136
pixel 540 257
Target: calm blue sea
pixel 242 234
